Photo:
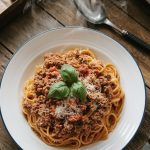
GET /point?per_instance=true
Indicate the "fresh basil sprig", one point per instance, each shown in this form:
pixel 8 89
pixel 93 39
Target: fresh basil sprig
pixel 71 85
pixel 78 90
pixel 59 90
pixel 69 74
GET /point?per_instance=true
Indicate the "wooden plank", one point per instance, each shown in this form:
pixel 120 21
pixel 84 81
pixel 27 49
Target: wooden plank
pixel 66 13
pixel 139 10
pixel 6 142
pixel 25 27
pixel 1 73
pixel 5 56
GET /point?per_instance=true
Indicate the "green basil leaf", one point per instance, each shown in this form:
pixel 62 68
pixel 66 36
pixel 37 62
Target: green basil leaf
pixel 69 74
pixel 79 90
pixel 59 90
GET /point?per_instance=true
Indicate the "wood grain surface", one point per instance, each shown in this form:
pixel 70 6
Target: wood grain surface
pixel 58 13
pixel 139 10
pixel 25 27
pixel 6 142
pixel 4 59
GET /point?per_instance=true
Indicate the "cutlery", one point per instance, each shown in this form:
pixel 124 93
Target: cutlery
pixel 94 12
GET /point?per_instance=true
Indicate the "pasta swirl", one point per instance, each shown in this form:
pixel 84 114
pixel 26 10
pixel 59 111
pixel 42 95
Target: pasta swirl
pixel 69 121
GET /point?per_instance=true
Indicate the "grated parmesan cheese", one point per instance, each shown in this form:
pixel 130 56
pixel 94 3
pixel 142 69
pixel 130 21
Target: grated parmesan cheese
pixel 59 109
pixel 88 85
pixel 62 111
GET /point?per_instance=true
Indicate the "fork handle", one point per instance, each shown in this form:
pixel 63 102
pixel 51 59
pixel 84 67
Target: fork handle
pixel 135 40
pixel 128 36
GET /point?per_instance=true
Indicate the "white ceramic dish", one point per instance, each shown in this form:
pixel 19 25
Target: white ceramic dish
pixel 21 67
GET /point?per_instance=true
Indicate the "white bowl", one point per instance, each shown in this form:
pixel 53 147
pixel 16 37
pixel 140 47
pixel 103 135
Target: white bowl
pixel 22 65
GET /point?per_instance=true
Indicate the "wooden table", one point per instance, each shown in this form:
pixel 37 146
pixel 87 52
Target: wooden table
pixel 131 15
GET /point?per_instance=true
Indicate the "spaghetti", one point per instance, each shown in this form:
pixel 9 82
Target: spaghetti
pixel 71 122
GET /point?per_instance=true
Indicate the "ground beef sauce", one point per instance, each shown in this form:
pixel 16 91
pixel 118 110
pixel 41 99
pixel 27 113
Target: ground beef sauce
pixel 70 115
